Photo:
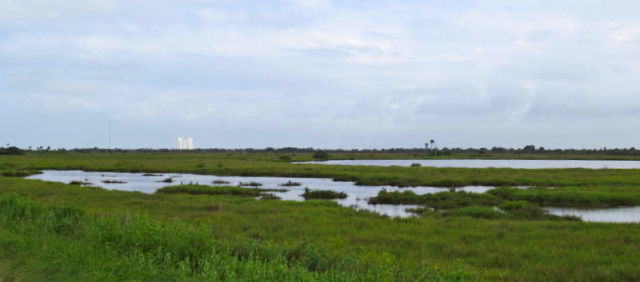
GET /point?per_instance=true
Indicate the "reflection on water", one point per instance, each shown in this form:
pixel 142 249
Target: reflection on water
pixel 357 195
pixel 626 214
pixel 475 163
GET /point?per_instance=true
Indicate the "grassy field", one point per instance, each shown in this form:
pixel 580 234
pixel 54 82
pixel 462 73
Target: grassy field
pixel 61 232
pixel 272 165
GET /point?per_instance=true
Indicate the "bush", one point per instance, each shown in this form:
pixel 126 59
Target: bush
pixel 320 155
pixel 11 151
pixel 323 194
pixel 209 190
pixel 290 184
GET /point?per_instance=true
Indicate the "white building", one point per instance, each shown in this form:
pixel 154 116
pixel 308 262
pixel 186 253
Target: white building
pixel 184 143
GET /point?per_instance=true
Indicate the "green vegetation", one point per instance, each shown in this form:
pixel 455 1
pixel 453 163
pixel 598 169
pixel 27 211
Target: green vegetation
pixel 60 232
pixel 290 184
pixel 252 184
pixel 70 245
pixel 215 190
pixel 322 194
pixel 79 183
pixel 11 151
pixel 314 237
pixel 438 201
pixel 113 182
pixel 220 182
pixel 568 197
pixel 271 165
pixel 320 155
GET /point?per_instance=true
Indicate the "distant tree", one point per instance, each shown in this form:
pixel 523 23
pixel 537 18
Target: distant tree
pixel 529 149
pixel 13 150
pixel 320 155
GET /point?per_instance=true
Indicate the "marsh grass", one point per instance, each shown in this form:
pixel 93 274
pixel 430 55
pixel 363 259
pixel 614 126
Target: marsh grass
pixel 264 164
pixel 113 182
pixel 260 236
pixel 568 198
pixel 167 180
pixel 316 235
pixel 210 190
pixel 322 194
pixel 127 246
pixel 250 184
pixel 438 201
pixel 290 184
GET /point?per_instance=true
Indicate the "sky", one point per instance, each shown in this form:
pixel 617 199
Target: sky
pixel 319 73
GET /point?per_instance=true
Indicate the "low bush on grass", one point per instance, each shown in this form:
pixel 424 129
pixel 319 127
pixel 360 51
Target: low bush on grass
pixel 323 194
pixel 209 190
pixel 320 155
pixel 251 184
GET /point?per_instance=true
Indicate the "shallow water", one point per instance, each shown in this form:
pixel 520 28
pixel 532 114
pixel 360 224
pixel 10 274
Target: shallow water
pixel 619 215
pixel 357 195
pixel 476 163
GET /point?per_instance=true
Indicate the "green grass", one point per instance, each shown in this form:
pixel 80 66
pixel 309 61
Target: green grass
pixel 248 239
pixel 322 236
pixel 215 190
pixel 263 164
pixel 209 190
pixel 567 197
pixel 67 244
pixel 441 200
pixel 323 194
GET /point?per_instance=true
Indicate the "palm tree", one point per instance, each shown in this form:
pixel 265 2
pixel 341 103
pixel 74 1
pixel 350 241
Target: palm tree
pixel 433 142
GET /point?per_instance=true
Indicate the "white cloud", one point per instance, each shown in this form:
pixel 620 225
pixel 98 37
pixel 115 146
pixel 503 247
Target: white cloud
pixel 388 72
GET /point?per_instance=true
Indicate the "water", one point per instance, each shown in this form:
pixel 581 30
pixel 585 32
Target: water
pixel 357 196
pixel 619 215
pixel 477 163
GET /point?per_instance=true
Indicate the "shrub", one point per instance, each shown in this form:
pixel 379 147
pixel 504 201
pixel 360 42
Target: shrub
pixel 11 151
pixel 209 190
pixel 323 194
pixel 252 184
pixel 320 155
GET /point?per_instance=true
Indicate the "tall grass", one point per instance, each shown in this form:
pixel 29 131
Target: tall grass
pixel 128 246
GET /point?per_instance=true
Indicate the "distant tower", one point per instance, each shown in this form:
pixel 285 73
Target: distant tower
pixel 189 144
pixel 179 143
pixel 184 143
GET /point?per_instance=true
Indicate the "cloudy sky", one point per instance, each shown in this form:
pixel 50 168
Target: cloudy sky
pixel 319 73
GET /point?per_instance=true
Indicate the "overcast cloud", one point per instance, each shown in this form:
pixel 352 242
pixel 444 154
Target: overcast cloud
pixel 316 73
